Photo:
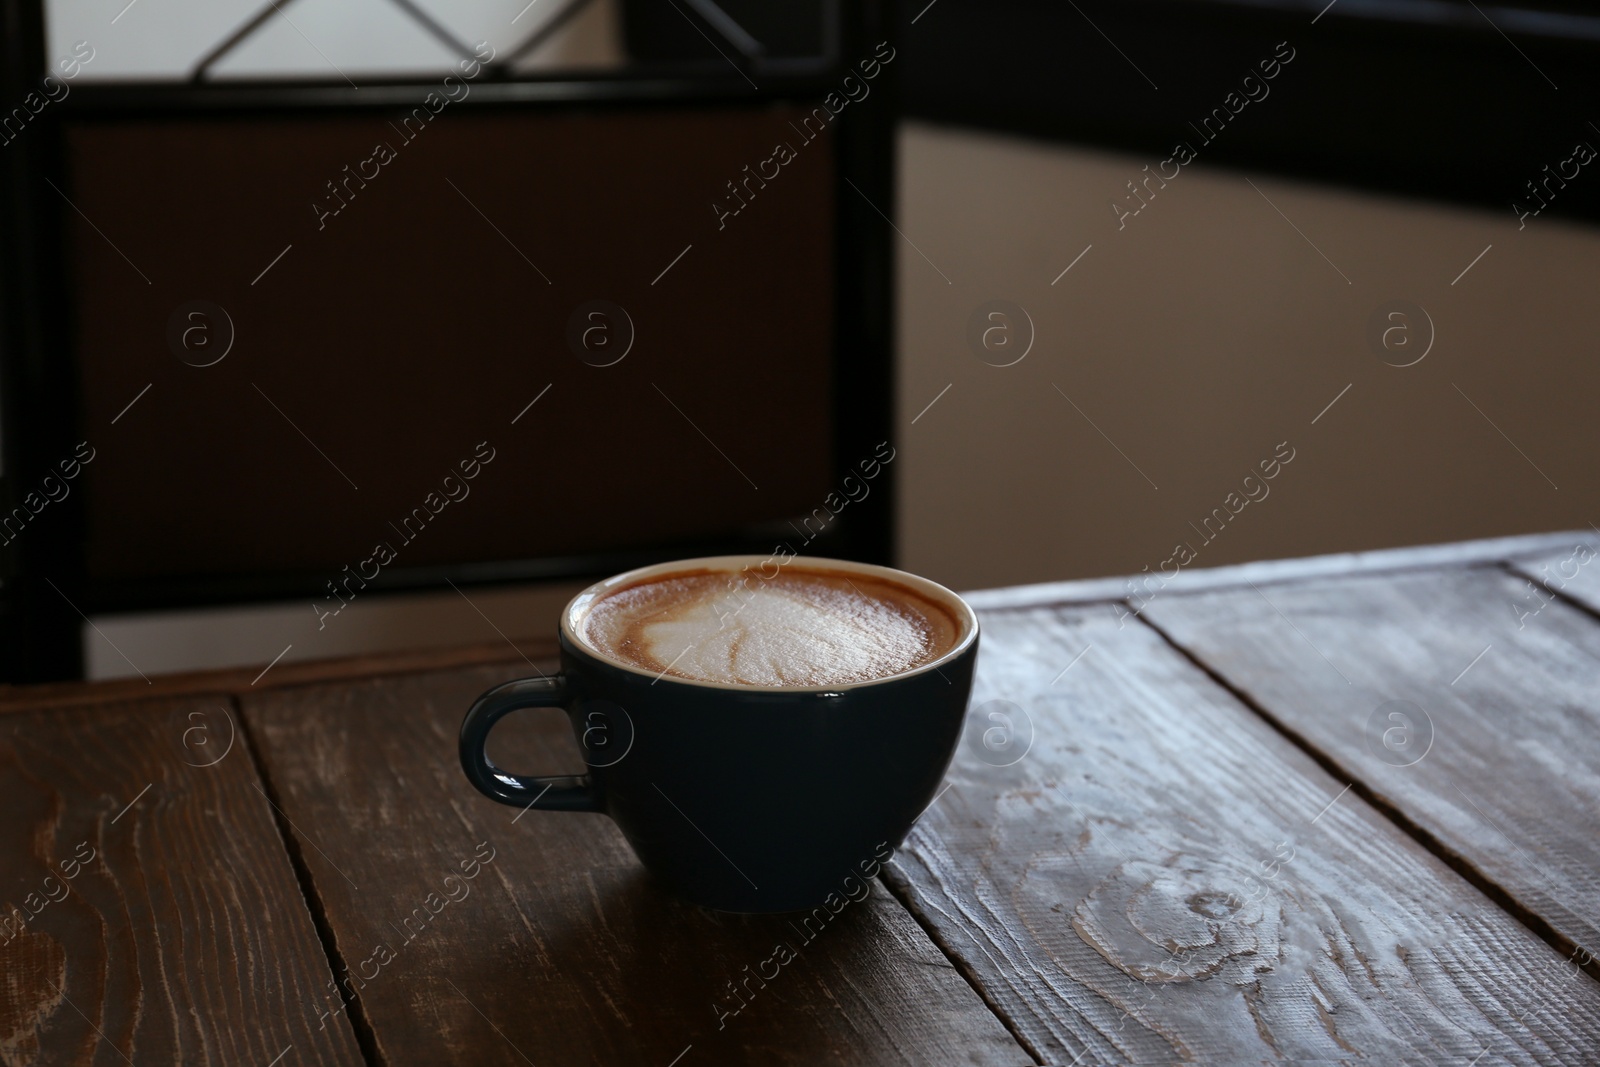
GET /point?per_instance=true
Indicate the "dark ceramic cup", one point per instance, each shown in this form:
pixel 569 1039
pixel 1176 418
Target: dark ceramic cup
pixel 737 797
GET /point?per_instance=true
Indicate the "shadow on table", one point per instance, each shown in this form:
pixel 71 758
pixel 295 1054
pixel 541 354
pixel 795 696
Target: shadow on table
pixel 609 967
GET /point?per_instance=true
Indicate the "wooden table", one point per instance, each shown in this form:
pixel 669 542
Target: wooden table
pixel 1195 834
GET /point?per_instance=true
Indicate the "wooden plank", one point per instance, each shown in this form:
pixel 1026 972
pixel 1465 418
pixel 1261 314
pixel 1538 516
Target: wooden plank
pixel 151 911
pixel 561 950
pixel 1198 579
pixel 1572 570
pixel 1509 692
pixel 245 679
pixel 236 680
pixel 1163 877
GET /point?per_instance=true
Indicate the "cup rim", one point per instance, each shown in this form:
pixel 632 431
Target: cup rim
pixel 966 617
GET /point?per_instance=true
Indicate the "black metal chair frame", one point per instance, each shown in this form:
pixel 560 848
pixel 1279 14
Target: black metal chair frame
pixel 45 594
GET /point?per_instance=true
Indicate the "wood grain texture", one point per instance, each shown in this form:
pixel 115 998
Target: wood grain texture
pixel 1572 570
pixel 1162 877
pixel 561 950
pixel 151 914
pixel 238 680
pixel 1509 691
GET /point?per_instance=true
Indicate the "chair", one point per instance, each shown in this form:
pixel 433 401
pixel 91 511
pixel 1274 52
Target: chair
pixel 272 340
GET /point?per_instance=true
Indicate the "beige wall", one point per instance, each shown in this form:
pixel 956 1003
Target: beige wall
pixel 1197 338
pixel 1200 336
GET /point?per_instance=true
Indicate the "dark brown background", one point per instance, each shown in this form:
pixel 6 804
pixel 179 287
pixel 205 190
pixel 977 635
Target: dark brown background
pixel 396 360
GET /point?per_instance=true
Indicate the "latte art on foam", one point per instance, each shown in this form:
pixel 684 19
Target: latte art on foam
pixel 798 628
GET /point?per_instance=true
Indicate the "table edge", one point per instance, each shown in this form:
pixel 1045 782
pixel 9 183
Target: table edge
pixel 1487 551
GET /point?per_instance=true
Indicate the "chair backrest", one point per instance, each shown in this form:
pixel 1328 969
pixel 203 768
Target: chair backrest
pixel 272 341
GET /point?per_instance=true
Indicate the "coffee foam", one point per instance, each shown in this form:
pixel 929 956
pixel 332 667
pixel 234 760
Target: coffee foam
pixel 799 628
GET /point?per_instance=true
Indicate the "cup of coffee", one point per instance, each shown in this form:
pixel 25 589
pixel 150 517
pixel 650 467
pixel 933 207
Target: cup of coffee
pixel 764 731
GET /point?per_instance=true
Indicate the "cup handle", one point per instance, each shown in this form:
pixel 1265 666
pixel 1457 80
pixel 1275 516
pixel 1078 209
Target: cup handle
pixel 552 793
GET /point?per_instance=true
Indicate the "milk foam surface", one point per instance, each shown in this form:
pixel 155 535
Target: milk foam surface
pixel 798 628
